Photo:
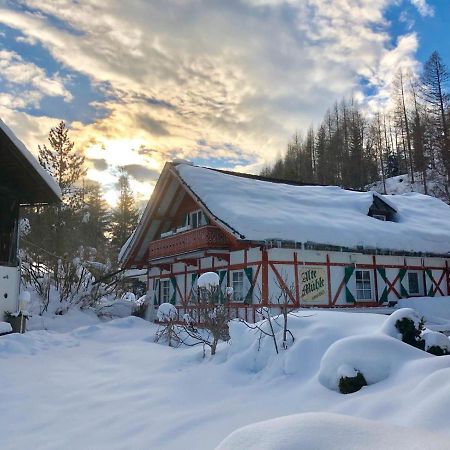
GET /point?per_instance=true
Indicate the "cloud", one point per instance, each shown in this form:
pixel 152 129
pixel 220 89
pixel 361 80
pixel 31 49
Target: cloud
pixel 423 7
pixel 243 72
pixel 18 72
pixel 99 164
pixel 141 173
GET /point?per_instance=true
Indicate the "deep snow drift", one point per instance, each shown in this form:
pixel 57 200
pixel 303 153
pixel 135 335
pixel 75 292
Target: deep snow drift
pixel 109 386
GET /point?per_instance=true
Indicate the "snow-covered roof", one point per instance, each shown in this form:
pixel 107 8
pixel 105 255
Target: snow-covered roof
pixel 43 188
pixel 257 210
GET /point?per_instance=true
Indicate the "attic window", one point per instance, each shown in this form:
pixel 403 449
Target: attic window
pixel 196 219
pixel 380 217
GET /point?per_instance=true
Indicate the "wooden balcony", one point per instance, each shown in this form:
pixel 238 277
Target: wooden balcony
pixel 203 238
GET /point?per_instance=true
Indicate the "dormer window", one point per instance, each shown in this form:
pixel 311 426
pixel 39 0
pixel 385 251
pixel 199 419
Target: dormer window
pixel 381 210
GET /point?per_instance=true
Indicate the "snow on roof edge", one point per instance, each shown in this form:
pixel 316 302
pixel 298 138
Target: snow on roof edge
pixel 50 181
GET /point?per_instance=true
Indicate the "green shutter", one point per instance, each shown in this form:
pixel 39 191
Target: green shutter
pixel 222 277
pixel 403 291
pixel 384 294
pixel 249 274
pixel 194 278
pixel 429 272
pixel 173 298
pixel 156 293
pixel 348 272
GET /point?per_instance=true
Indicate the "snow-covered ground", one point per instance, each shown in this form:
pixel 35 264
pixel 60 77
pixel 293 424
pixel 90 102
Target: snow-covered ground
pixel 109 386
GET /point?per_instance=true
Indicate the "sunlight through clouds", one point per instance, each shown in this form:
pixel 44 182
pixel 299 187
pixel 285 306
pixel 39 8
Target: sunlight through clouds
pixel 238 76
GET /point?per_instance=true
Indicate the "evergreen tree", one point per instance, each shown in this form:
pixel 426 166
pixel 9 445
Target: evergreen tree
pixel 55 230
pixel 125 215
pixel 95 222
pixel 61 161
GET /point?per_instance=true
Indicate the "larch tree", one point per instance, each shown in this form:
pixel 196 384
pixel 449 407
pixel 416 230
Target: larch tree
pixel 435 79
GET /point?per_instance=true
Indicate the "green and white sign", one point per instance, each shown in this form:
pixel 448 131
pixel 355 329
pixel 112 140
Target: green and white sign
pixel 313 287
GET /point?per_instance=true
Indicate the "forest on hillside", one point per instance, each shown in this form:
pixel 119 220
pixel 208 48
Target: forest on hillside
pixel 353 148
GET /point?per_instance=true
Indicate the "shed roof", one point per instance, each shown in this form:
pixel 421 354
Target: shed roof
pixel 21 173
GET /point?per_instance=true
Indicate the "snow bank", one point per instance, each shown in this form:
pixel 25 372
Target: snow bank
pixel 376 357
pixel 321 214
pixel 324 431
pixel 389 328
pixel 434 338
pixel 5 327
pixel 431 308
pixel 108 385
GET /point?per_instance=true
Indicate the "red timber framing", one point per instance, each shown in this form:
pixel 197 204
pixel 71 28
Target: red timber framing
pixel 265 265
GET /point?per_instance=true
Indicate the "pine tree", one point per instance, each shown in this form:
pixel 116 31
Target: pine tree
pixel 60 159
pixel 125 215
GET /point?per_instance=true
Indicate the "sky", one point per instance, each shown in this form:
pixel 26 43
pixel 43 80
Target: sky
pixel 223 83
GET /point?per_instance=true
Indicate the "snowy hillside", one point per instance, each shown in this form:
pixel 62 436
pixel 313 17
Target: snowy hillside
pixel 109 386
pixel 401 184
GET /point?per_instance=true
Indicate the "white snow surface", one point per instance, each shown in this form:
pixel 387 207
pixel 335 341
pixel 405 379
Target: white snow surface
pixel 110 386
pixel 325 431
pixel 31 159
pixel 320 214
pixel 433 309
pixel 5 327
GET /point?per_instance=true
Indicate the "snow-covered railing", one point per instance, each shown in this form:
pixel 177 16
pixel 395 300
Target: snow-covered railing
pixel 206 237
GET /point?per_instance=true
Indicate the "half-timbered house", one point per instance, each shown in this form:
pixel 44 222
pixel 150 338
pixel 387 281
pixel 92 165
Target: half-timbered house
pixel 320 246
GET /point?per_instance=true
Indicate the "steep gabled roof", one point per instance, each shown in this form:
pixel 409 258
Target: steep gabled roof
pixel 255 209
pixel 21 173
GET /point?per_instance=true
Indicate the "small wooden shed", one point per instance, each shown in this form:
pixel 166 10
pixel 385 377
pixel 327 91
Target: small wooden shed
pixel 22 182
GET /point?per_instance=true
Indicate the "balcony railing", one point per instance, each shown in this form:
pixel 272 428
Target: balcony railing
pixel 202 238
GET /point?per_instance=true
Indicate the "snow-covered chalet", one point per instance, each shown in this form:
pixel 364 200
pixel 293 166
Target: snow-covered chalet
pixel 320 246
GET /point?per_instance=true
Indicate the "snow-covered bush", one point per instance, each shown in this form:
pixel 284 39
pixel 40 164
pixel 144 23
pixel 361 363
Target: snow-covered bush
pixel 436 343
pixel 166 312
pixel 167 331
pixel 351 380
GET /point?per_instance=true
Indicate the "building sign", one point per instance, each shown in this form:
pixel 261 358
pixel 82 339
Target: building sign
pixel 313 287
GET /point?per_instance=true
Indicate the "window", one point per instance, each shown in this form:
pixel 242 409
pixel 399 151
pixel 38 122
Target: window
pixel 414 283
pixel 165 291
pixel 196 219
pixel 363 285
pixel 380 217
pixel 238 286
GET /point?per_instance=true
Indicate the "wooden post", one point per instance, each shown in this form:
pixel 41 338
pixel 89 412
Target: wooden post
pixel 330 303
pixel 265 276
pixel 447 276
pixel 297 285
pixel 374 259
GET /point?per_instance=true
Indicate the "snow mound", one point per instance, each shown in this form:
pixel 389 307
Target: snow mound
pixel 434 338
pixel 166 312
pixel 325 431
pixel 389 327
pixel 376 357
pixel 5 327
pixel 208 280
